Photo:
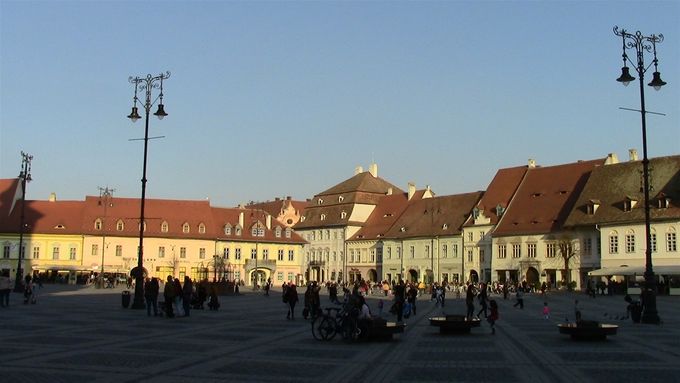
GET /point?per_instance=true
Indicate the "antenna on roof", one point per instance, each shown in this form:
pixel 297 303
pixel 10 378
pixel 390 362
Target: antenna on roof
pixel 646 111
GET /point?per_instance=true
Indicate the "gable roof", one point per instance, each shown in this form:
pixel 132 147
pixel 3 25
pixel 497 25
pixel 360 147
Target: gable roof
pixel 437 216
pixel 499 192
pixel 610 185
pixel 10 190
pixel 544 198
pixel 384 216
pixel 362 182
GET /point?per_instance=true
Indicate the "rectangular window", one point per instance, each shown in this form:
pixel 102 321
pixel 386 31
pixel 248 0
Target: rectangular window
pixel 502 252
pixel 412 249
pixel 351 256
pixel 469 256
pixel 291 276
pixel 280 257
pixel 398 252
pixel 470 236
pixel 372 255
pixel 613 244
pixel 481 255
pixel 279 276
pixel 630 243
pixel 427 251
pixel 55 252
pixel 72 254
pixel 237 275
pixel 517 250
pixel 225 252
pixel 481 235
pixel 5 251
pixel 237 254
pixel 444 251
pixel 455 251
pixel 550 250
pixel 182 252
pixel 671 242
pixel 531 250
pixel 36 252
pixel 291 255
pixel 265 254
pixel 588 246
pixel 95 249
pixel 253 253
pixel 161 251
pixel 119 250
pixel 201 253
pixel 653 239
pixel 389 253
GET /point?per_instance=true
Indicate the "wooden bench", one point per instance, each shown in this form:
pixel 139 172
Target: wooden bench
pixel 588 330
pixel 380 330
pixel 454 324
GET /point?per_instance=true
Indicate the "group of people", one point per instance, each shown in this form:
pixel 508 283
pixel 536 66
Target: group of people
pixel 179 299
pixel 30 295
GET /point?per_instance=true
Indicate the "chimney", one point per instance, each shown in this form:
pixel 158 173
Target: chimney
pixel 632 153
pixel 531 163
pixel 277 199
pixel 288 198
pixel 612 158
pixel 240 219
pixel 269 222
pixel 358 170
pixel 53 197
pixel 411 190
pixel 389 191
pixel 373 169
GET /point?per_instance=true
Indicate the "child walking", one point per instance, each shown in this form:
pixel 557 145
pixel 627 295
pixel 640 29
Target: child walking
pixel 546 311
pixel 493 315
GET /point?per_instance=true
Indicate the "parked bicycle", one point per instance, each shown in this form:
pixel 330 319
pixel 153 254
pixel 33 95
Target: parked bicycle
pixel 333 321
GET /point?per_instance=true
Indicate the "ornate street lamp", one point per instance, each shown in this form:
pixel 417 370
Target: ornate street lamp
pixel 146 84
pixel 640 44
pixel 25 176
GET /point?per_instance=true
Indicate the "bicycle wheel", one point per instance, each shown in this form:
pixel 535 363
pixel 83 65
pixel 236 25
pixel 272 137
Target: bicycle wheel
pixel 323 328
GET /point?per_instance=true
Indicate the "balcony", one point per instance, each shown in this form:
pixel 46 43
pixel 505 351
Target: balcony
pixel 315 263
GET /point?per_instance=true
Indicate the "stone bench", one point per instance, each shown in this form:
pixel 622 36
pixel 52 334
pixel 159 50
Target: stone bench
pixel 454 324
pixel 588 330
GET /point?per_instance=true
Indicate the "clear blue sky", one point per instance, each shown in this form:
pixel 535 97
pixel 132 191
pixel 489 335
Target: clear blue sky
pixel 269 99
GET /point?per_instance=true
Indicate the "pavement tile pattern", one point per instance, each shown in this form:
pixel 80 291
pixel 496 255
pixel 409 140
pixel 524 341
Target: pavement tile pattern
pixel 83 334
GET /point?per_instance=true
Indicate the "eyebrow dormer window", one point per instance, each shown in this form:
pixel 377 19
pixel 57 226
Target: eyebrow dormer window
pixel 343 215
pixel 227 229
pixel 120 226
pixel 186 228
pixel 201 228
pixel 164 227
pixel 319 201
pixel 341 198
pixel 323 217
pixel 98 224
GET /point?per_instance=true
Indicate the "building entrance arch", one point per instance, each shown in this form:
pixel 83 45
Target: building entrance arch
pixel 412 276
pixel 474 276
pixel 532 276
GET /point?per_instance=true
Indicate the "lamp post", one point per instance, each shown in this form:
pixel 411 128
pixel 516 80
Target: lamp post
pixel 146 84
pixel 640 44
pixel 105 195
pixel 25 176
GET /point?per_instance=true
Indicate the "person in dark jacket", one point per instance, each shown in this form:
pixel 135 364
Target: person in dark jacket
pixel 169 296
pixel 470 300
pixel 151 289
pixel 292 298
pixel 399 298
pixel 187 292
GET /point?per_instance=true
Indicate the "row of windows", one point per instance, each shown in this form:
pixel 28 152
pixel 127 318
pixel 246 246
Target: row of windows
pixel 226 254
pixel 531 248
pixel 320 235
pixel 257 230
pixel 56 252
pixel 630 242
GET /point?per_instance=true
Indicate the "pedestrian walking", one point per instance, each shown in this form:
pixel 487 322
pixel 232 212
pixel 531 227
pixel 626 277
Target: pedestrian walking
pixel 470 301
pixel 399 300
pixel 187 292
pixel 411 298
pixel 493 316
pixel 5 288
pixel 292 299
pixel 546 311
pixel 519 296
pixel 151 289
pixel 482 301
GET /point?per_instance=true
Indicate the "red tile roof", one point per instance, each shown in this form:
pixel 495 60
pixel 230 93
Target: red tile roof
pixel 499 192
pixel 384 215
pixel 544 198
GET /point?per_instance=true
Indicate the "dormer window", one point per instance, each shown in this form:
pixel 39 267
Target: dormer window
pixel 227 229
pixel 277 232
pixel 201 228
pixel 445 226
pixel 500 210
pixel 663 202
pixel 60 226
pixel 288 232
pixel 164 227
pixel 629 203
pixel 341 198
pixel 98 224
pixel 120 226
pixel 402 229
pixel 323 217
pixel 319 201
pixel 592 206
pixel 238 231
pixel 186 228
pixel 139 226
pixel 343 215
pixel 475 212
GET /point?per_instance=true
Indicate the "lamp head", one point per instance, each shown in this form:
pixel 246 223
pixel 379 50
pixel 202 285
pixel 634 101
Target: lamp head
pixel 657 82
pixel 625 77
pixel 160 113
pixel 134 115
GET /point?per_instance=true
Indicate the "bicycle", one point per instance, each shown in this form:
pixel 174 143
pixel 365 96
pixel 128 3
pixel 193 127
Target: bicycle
pixel 326 326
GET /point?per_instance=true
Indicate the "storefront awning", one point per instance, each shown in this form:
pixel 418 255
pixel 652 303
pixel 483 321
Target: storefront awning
pixel 634 270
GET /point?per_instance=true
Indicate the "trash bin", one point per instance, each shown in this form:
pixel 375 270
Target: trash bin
pixel 126 299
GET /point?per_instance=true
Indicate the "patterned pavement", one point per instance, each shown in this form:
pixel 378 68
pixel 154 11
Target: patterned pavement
pixel 74 334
